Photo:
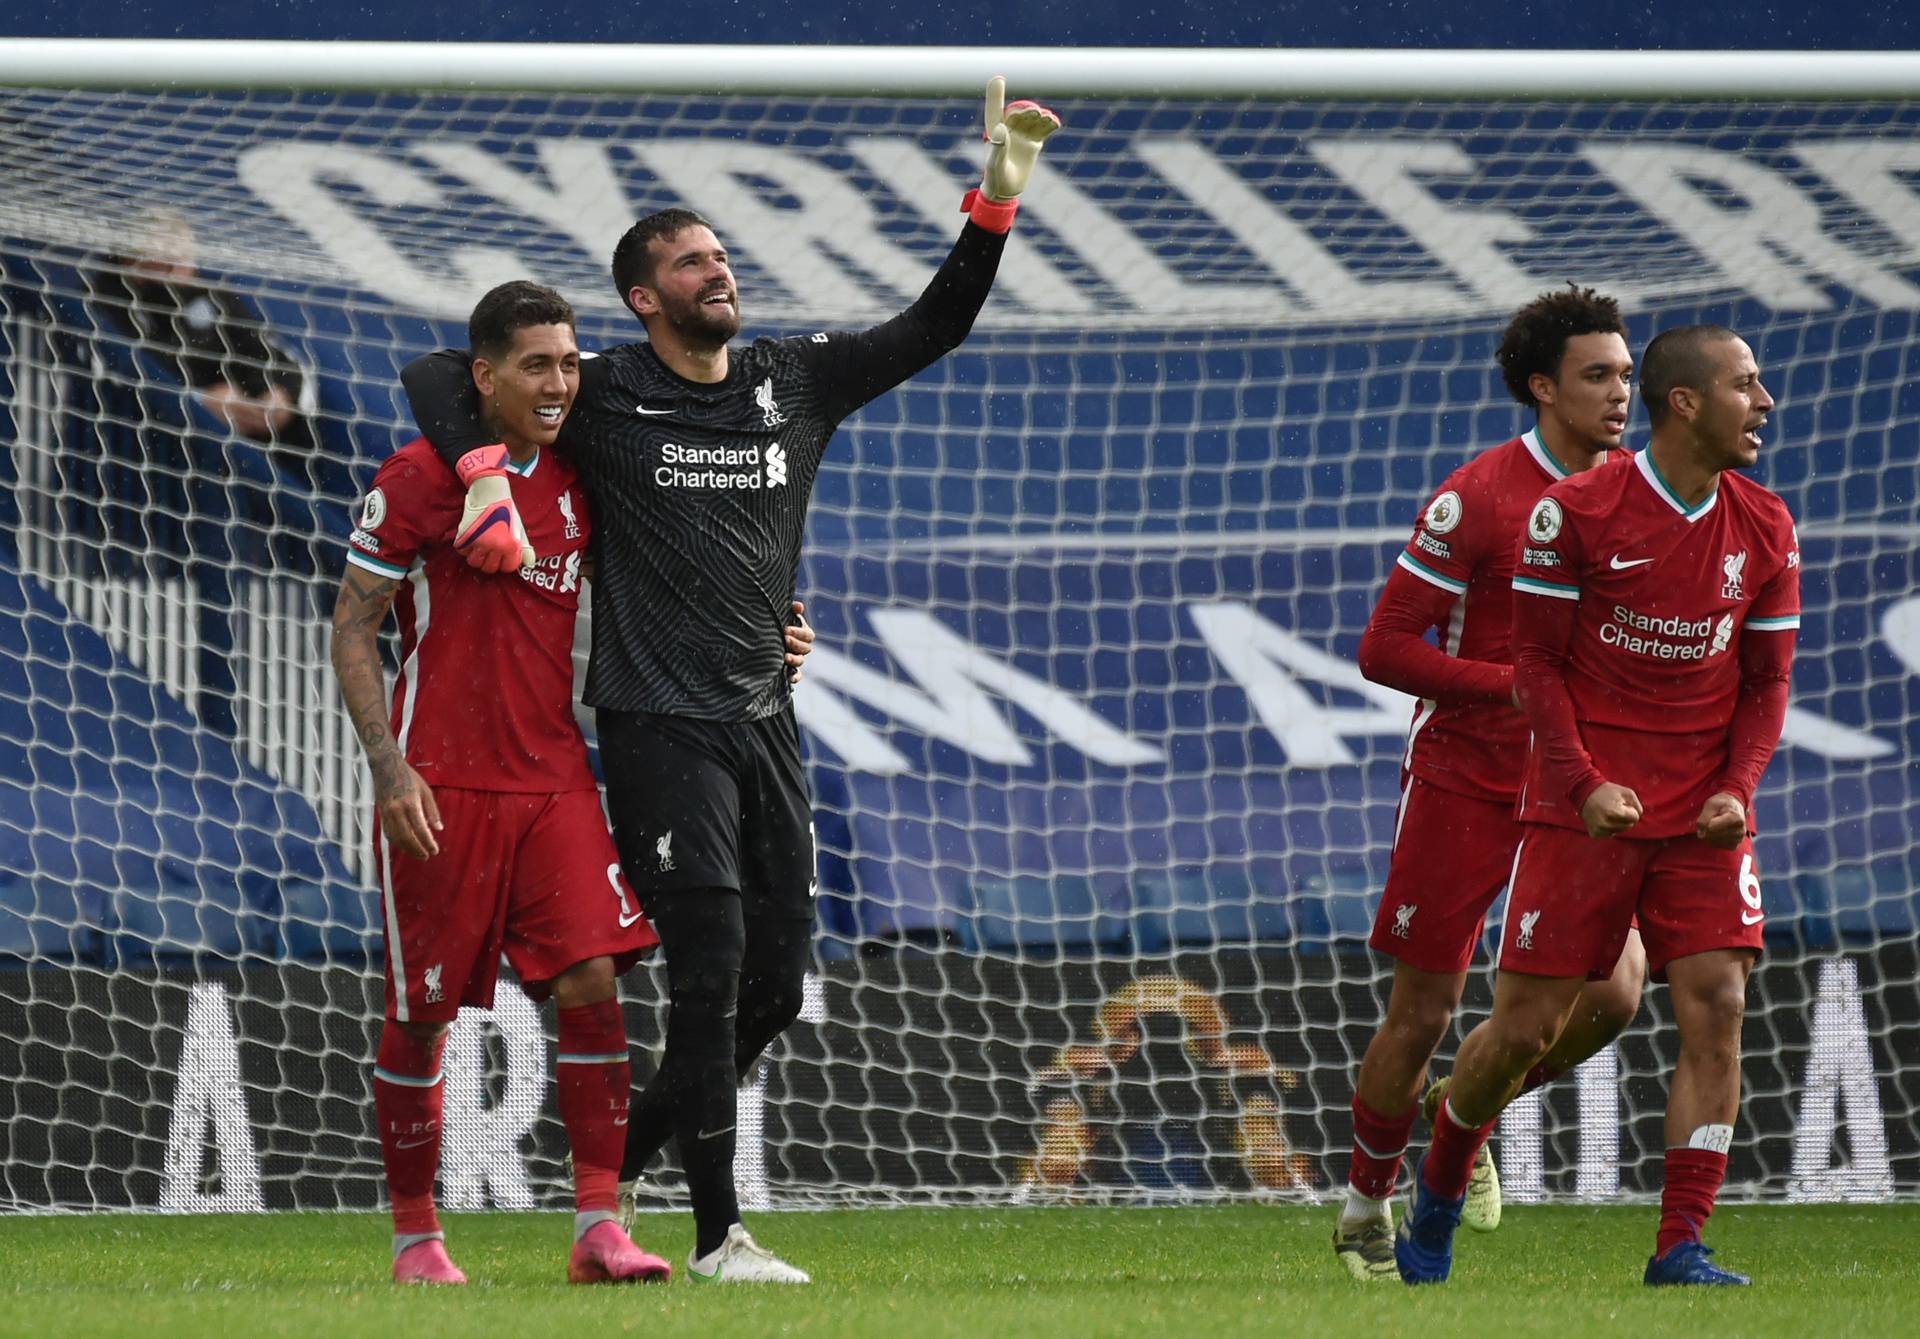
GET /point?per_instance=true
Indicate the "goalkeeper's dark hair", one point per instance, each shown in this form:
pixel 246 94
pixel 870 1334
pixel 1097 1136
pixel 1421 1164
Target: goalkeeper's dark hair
pixel 1678 357
pixel 511 307
pixel 1537 336
pixel 633 256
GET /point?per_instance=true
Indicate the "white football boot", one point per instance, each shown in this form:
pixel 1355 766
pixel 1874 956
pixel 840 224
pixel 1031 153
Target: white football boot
pixel 741 1259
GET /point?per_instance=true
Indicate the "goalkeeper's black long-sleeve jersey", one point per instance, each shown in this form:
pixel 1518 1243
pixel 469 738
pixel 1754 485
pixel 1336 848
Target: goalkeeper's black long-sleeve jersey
pixel 699 492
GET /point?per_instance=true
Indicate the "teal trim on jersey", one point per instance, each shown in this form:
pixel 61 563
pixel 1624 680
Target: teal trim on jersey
pixel 1666 490
pixel 524 470
pixel 405 1080
pixel 375 566
pixel 615 1059
pixel 1780 623
pixel 1426 573
pixel 1536 587
pixel 1548 461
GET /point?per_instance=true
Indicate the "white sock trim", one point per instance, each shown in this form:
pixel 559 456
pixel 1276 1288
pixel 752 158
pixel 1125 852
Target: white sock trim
pixel 588 1219
pixel 1363 1208
pixel 1712 1138
pixel 403 1240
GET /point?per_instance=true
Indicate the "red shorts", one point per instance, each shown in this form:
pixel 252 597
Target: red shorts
pixel 1575 897
pixel 1452 854
pixel 533 876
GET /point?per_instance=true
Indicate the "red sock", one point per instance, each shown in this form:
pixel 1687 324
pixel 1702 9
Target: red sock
pixel 592 1077
pixel 1540 1074
pixel 406 1101
pixel 1379 1142
pixel 1686 1200
pixel 1449 1163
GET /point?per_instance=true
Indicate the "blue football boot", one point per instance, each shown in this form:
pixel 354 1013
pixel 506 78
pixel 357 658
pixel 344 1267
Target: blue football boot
pixel 1423 1247
pixel 1688 1262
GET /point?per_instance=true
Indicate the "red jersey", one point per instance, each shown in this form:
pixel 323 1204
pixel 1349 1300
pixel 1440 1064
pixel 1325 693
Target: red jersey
pixel 1456 575
pixel 466 636
pixel 1665 629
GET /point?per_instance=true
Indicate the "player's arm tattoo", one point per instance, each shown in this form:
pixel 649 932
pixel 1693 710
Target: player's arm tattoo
pixel 357 615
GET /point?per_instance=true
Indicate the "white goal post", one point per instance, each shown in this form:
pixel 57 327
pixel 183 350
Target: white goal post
pixel 1103 803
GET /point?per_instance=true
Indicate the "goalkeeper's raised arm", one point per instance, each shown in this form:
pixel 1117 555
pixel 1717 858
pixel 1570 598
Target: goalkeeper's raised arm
pixel 674 275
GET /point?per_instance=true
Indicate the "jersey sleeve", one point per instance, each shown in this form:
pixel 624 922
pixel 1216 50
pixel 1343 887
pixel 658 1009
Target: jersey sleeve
pixel 849 368
pixel 399 516
pixel 1551 557
pixel 1394 650
pixel 1546 589
pixel 1766 661
pixel 1776 607
pixel 1451 536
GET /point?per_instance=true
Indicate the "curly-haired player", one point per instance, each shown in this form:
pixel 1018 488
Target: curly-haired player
pixel 1565 357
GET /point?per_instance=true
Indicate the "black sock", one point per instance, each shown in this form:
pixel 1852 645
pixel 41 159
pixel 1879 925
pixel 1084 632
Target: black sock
pixel 772 985
pixel 704 936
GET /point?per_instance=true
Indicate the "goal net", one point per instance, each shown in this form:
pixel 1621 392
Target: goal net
pixel 1103 804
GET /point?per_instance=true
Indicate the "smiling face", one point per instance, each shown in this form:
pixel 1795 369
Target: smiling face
pixel 692 288
pixel 1589 394
pixel 1730 407
pixel 529 389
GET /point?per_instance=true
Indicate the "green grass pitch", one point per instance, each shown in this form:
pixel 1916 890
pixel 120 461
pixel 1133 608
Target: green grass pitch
pixel 1005 1274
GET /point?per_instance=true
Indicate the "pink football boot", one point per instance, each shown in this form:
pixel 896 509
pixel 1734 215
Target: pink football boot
pixel 607 1255
pixel 426 1262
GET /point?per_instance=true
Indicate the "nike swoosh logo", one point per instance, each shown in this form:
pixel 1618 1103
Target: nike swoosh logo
pixel 714 1134
pixel 416 1143
pixel 642 409
pixel 1752 918
pixel 1619 566
pixel 625 921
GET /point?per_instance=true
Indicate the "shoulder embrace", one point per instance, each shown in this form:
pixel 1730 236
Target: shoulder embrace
pixel 417 470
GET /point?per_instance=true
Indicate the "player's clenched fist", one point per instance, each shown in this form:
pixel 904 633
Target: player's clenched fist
pixel 409 815
pixel 1723 821
pixel 1610 810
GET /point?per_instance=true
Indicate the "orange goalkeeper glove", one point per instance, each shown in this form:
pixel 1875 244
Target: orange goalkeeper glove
pixel 490 533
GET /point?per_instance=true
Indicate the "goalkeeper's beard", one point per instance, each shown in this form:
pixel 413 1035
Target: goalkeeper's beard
pixel 700 325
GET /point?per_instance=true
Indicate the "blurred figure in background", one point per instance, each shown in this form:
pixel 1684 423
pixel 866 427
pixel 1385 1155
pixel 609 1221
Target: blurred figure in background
pixel 210 337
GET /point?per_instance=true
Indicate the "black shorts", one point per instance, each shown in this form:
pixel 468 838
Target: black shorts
pixel 711 804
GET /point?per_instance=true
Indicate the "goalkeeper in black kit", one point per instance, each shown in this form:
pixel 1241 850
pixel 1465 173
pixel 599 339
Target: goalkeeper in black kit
pixel 700 458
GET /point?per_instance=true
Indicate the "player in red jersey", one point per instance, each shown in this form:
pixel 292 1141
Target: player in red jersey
pixel 489 835
pixel 1654 630
pixel 1564 355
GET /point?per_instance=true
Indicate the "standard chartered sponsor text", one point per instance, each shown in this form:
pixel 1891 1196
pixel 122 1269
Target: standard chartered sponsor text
pixel 1616 634
pixel 669 474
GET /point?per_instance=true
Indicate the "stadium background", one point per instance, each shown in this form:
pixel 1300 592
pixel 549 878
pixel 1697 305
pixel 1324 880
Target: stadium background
pixel 1028 901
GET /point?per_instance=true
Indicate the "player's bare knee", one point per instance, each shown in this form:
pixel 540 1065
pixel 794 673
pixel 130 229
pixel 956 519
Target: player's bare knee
pixel 1419 1026
pixel 1525 1036
pixel 1613 1004
pixel 585 983
pixel 1711 1014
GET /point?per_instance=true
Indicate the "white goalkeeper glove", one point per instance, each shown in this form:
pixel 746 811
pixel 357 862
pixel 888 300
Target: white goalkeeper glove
pixel 490 533
pixel 1014 135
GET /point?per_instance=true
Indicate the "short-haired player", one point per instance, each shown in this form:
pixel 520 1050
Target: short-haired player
pixel 1654 618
